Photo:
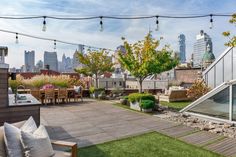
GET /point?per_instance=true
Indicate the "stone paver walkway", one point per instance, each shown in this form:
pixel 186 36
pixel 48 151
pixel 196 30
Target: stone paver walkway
pixel 93 122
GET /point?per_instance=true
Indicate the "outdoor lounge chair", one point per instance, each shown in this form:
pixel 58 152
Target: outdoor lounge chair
pixel 175 95
pixel 71 145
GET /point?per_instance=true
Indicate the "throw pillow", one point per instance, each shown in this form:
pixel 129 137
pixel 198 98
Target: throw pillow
pixel 37 144
pixel 12 137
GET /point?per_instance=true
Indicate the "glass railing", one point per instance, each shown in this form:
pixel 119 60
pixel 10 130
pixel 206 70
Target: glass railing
pixel 221 70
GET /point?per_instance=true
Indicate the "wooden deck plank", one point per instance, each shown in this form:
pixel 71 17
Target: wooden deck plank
pixel 200 138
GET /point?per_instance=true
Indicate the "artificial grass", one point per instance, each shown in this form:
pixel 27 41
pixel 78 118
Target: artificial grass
pixel 175 105
pixel 147 145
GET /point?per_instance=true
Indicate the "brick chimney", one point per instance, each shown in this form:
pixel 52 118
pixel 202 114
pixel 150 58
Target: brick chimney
pixel 3 78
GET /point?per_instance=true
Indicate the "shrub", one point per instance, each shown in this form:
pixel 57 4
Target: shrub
pixel 198 89
pixel 140 96
pixel 147 104
pixel 39 81
pixel 93 90
pixel 125 97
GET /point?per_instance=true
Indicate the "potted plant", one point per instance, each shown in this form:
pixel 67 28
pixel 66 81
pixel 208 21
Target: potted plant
pixel 138 101
pixel 124 100
pixel 94 92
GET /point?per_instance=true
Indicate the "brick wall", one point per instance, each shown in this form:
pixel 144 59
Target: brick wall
pixel 3 88
pixel 187 75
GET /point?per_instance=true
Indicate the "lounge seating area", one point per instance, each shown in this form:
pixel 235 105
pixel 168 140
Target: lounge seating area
pixel 25 138
pixel 174 95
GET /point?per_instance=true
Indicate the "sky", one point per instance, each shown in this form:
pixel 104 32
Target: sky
pixel 87 32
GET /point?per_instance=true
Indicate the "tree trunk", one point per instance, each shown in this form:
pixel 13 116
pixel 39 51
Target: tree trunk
pixel 140 85
pixel 96 80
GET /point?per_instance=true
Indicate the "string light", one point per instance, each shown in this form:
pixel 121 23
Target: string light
pixel 44 24
pixel 157 24
pixel 101 24
pixel 211 22
pixel 55 44
pixel 17 40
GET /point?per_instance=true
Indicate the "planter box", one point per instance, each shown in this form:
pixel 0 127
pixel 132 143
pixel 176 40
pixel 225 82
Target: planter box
pixel 147 110
pixel 135 106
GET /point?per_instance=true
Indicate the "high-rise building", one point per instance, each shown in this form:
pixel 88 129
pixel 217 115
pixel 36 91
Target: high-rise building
pixel 75 61
pixel 50 59
pixel 182 48
pixel 39 66
pixel 200 47
pixel 29 61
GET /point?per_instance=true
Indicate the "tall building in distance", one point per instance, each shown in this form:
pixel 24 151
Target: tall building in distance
pixel 39 66
pixel 200 47
pixel 182 48
pixel 50 59
pixel 29 61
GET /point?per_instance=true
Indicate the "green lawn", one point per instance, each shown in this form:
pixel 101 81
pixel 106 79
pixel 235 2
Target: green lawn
pixel 146 145
pixel 175 105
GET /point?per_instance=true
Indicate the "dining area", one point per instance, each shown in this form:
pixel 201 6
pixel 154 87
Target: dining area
pixel 51 95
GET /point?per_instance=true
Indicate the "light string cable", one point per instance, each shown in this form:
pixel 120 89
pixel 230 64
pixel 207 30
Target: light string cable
pixel 50 39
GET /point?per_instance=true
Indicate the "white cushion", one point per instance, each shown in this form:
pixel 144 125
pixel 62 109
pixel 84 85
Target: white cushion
pixel 37 144
pixel 29 125
pixel 12 137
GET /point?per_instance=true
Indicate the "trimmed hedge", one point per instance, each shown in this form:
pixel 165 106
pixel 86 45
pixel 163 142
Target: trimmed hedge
pixel 147 104
pixel 140 96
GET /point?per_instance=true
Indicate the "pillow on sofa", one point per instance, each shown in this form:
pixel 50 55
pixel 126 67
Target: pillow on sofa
pixel 12 137
pixel 37 144
pixel 2 143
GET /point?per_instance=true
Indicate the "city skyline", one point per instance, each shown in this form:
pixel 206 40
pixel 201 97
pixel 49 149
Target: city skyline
pixel 87 32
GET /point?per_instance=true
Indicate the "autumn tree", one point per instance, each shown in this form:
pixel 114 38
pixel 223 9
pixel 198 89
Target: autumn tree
pixel 142 59
pixel 232 38
pixel 95 64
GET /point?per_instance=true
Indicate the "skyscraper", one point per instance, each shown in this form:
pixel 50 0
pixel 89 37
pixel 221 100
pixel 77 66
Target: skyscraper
pixel 182 48
pixel 39 66
pixel 50 59
pixel 29 61
pixel 200 47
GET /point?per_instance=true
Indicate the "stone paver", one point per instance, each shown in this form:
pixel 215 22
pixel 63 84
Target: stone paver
pixel 93 122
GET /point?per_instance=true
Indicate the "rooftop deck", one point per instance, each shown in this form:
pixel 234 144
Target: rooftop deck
pixel 92 122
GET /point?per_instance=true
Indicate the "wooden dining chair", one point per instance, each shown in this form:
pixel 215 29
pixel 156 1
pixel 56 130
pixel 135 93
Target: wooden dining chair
pixel 78 94
pixel 36 93
pixel 62 95
pixel 49 96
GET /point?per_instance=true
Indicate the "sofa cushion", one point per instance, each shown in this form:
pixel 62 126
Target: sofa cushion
pixel 61 154
pixel 12 137
pixel 37 144
pixel 2 144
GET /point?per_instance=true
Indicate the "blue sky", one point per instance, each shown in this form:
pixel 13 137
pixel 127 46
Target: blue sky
pixel 87 32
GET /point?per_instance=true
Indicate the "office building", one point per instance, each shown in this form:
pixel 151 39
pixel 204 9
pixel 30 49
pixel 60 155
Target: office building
pixel 200 47
pixel 50 60
pixel 29 61
pixel 182 48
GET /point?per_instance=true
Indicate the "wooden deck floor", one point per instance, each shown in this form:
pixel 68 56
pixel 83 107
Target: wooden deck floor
pixel 93 122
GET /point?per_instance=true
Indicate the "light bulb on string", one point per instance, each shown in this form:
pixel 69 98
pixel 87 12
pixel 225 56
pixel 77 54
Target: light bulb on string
pixel 17 40
pixel 101 24
pixel 157 24
pixel 44 24
pixel 211 22
pixel 55 45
